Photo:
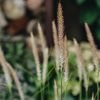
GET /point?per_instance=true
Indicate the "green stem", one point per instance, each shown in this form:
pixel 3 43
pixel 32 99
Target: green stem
pixel 10 93
pixel 42 92
pixel 97 91
pixel 48 89
pixel 65 91
pixel 61 83
pixel 86 88
pixel 80 97
pixel 86 94
pixel 98 85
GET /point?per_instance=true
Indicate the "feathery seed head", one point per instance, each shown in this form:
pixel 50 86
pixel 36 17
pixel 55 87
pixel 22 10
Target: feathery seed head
pixel 60 21
pixel 93 46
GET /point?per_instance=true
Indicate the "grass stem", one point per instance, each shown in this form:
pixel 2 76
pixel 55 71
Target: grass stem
pixel 61 83
pixel 80 96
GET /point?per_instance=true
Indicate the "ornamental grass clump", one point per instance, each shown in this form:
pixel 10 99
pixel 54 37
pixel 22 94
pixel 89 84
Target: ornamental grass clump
pixel 41 73
pixel 60 43
pixel 63 72
pixel 10 75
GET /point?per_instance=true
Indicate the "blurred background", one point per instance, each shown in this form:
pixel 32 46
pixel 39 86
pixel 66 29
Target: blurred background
pixel 20 17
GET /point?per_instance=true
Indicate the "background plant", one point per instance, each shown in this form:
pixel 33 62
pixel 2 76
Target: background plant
pixel 89 12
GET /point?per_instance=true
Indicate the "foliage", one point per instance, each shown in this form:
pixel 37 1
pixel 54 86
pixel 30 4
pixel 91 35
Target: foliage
pixel 22 60
pixel 90 13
